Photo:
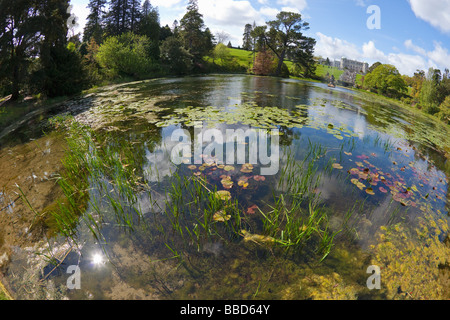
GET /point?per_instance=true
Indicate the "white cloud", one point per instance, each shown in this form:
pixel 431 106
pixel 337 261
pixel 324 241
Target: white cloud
pixel 335 48
pixel 439 57
pixel 298 4
pixel 435 12
pixel 419 50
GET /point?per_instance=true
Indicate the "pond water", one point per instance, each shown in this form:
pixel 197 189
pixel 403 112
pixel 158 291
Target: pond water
pixel 332 182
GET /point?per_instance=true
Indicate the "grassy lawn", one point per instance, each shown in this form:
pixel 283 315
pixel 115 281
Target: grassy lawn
pixel 245 59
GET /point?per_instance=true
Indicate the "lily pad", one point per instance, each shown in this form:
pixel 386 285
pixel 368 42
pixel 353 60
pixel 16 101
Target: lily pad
pixel 337 166
pixel 228 168
pixel 370 191
pixel 223 195
pixel 382 189
pixel 221 216
pixel 227 183
pixel 247 168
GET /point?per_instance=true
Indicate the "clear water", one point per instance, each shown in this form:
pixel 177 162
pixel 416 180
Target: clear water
pixel 376 166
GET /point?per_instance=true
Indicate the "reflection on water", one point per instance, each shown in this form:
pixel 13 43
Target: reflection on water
pixel 365 166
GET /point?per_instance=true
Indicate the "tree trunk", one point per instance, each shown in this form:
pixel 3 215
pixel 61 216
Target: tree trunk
pixel 280 63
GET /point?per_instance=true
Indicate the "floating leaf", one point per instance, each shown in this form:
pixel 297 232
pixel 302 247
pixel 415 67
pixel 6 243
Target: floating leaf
pixel 221 216
pixel 192 167
pixel 259 178
pixel 228 168
pixel 348 153
pixel 227 183
pixel 257 238
pixel 337 166
pixel 382 189
pixel 223 195
pixel 359 164
pixel 370 191
pixel 247 168
pixel 243 183
pixel 251 209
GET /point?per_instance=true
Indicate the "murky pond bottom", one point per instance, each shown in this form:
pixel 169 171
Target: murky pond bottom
pixel 98 208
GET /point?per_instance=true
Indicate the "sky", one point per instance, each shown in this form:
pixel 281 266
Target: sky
pixel 410 34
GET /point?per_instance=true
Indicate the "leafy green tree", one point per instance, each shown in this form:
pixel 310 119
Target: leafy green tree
pixel 428 93
pixel 386 80
pixel 247 43
pixel 173 55
pixel 373 66
pixel 19 33
pixel 123 16
pixel 95 21
pixel 126 55
pixel 444 110
pixel 150 27
pixel 196 39
pixel 221 52
pixel 59 69
pixel 285 37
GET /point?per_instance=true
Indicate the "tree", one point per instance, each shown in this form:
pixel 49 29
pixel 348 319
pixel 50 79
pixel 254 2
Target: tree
pixel 429 92
pixel 386 80
pixel 59 67
pixel 127 54
pixel 175 56
pixel 285 36
pixel 444 110
pixel 221 52
pixel 247 40
pixel 373 66
pixel 222 37
pixel 19 33
pixel 150 27
pixel 196 39
pixel 123 16
pixel 265 63
pixel 95 21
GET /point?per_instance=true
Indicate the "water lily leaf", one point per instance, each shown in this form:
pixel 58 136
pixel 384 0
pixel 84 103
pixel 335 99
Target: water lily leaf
pixel 362 157
pixel 221 216
pixel 259 178
pixel 198 173
pixel 359 164
pixel 247 168
pixel 348 153
pixel 228 168
pixel 223 195
pixel 227 183
pixel 192 167
pixel 243 183
pixel 370 191
pixel 257 238
pixel 251 209
pixel 382 189
pixel 336 166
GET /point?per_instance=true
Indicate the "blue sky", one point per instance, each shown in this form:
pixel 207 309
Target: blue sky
pixel 413 34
